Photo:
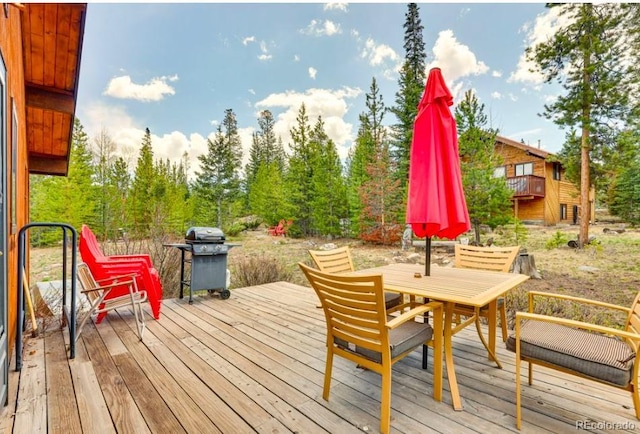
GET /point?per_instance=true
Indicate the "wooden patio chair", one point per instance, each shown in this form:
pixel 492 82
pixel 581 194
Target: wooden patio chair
pixel 603 354
pixel 359 330
pixel 97 292
pixel 492 258
pixel 339 261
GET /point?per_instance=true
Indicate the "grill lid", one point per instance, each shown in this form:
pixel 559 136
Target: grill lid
pixel 199 234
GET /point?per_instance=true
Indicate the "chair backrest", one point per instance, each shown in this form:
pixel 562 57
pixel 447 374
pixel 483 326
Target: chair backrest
pixel 87 281
pixel 354 308
pixel 492 258
pixel 633 323
pixel 89 247
pixel 333 261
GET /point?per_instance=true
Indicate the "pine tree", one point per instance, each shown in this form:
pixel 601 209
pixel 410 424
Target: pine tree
pixel 265 149
pixel 142 203
pixel 104 155
pixel 410 87
pixel 329 193
pixel 300 171
pixel 70 199
pixel 586 57
pixel 378 222
pixel 218 182
pixel 119 181
pixel 488 197
pixel 371 176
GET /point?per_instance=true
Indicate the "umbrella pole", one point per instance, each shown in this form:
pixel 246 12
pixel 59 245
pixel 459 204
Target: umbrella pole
pixel 427 262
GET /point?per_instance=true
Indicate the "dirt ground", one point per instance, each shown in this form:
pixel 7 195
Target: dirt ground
pixel 607 270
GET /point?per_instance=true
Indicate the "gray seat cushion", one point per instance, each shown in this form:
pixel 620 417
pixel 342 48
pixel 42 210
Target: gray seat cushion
pixel 392 299
pixel 600 357
pixel 403 338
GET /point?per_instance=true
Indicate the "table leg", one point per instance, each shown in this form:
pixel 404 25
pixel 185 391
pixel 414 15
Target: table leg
pixel 448 355
pixel 492 331
pixel 491 345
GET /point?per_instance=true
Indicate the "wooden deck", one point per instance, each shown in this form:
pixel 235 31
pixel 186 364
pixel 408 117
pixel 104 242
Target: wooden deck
pixel 255 363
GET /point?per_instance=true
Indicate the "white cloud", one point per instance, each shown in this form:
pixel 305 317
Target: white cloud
pixel 154 90
pixel 377 54
pixel 248 39
pixel 335 6
pixel 545 26
pixel 127 135
pixel 265 51
pixel 455 59
pixel 252 92
pixel 513 97
pixel 332 105
pixel 496 95
pixel 312 72
pixel 496 74
pixel 296 58
pixel 319 28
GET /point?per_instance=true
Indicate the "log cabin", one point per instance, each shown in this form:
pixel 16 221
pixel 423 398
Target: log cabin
pixel 541 192
pixel 40 50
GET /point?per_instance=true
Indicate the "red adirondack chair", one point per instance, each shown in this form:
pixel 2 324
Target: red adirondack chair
pixel 106 267
pixel 278 230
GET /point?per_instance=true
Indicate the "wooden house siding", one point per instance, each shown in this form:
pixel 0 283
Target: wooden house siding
pixel 12 54
pixel 40 45
pixel 544 209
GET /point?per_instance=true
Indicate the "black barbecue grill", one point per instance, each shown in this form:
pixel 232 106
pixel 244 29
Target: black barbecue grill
pixel 208 259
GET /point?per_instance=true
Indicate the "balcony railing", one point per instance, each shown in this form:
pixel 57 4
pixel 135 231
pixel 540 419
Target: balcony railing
pixel 527 185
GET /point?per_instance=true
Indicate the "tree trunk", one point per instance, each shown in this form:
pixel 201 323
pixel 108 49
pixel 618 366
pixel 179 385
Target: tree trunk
pixel 585 146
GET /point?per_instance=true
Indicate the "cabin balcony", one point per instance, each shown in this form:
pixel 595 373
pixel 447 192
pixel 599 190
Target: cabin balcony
pixel 526 186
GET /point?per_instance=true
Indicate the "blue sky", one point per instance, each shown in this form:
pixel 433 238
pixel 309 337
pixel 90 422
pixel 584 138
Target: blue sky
pixel 175 68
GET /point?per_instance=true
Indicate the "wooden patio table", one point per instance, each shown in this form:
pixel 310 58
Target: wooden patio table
pixel 470 287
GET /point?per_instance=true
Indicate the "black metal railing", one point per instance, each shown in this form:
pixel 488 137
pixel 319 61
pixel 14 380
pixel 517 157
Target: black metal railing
pixel 527 185
pixel 68 312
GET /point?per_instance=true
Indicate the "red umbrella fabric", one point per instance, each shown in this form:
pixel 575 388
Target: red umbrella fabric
pixel 436 206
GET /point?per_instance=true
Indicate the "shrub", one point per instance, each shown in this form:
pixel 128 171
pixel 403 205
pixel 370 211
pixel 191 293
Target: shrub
pixel 558 239
pixel 234 229
pixel 387 234
pixel 257 270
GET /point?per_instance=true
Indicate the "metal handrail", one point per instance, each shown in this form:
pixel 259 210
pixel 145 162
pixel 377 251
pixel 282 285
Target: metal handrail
pixel 69 315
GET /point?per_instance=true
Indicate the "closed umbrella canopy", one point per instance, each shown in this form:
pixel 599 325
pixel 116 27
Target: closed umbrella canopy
pixel 436 206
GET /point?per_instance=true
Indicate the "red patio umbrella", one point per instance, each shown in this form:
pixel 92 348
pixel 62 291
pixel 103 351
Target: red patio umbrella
pixel 436 206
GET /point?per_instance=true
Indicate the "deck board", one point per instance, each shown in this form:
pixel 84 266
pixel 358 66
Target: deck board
pixel 255 363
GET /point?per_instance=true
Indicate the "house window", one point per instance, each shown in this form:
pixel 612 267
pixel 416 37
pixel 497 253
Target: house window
pixel 563 211
pixel 524 169
pixel 556 171
pixel 500 172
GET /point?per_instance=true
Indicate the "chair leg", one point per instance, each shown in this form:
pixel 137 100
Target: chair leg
pixel 425 356
pixel 327 372
pixel 635 393
pixel 503 321
pixel 385 401
pixel 139 316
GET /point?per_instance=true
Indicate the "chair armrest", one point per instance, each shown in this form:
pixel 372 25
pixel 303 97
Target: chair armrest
pixel 434 306
pixel 574 324
pixel 114 278
pixel 115 283
pixel 533 294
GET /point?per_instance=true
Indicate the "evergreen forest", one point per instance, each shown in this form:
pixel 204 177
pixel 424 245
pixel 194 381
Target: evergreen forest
pixel 365 196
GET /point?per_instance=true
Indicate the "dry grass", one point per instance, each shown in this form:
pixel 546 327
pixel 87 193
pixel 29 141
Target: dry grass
pixel 261 258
